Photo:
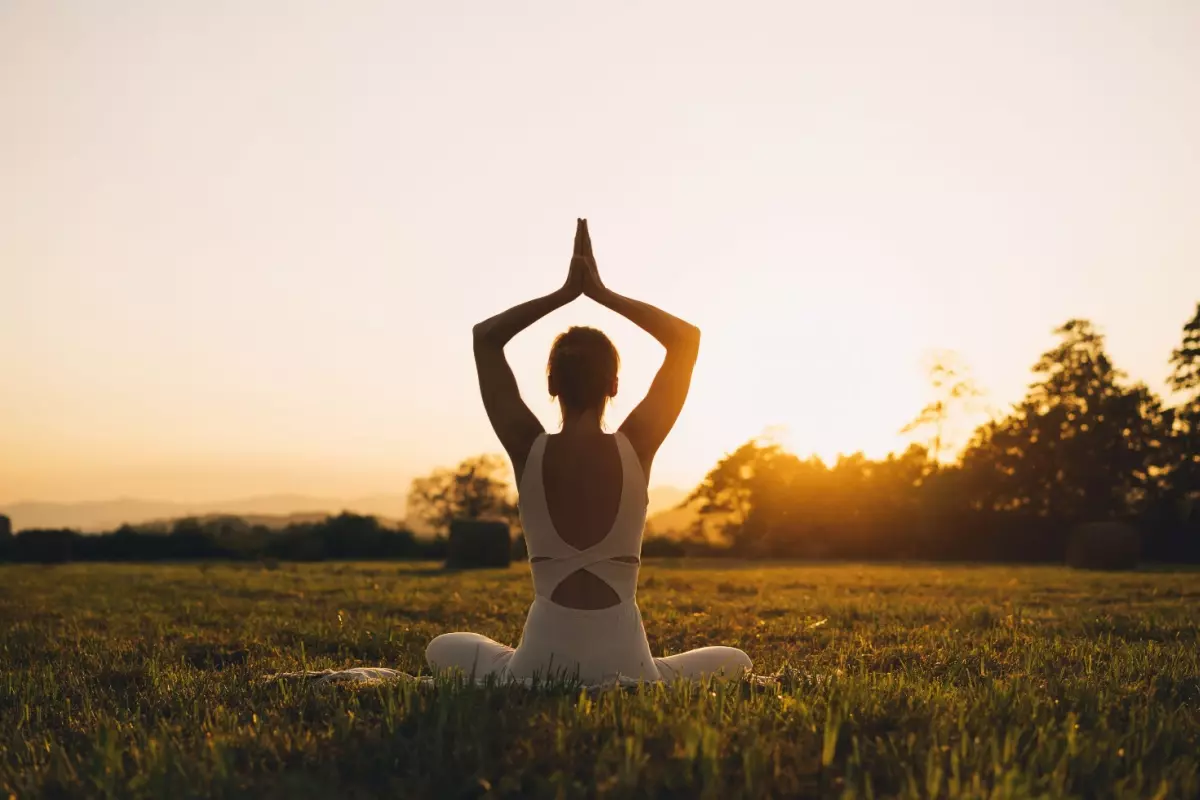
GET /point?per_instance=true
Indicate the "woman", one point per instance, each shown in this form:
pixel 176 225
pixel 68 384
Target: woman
pixel 582 495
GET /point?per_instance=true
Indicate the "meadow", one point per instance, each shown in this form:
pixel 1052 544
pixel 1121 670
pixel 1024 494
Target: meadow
pixel 893 680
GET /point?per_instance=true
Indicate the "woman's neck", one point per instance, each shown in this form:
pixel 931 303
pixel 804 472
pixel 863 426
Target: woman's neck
pixel 582 423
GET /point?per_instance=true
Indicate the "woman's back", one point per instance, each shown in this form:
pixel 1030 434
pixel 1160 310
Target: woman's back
pixel 583 507
pixel 583 479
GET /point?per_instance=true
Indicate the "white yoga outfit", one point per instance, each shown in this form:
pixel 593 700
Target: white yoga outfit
pixel 593 646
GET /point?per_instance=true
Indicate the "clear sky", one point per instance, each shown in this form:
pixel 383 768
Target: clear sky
pixel 242 244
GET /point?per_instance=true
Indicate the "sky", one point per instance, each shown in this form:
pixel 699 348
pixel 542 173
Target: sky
pixel 242 245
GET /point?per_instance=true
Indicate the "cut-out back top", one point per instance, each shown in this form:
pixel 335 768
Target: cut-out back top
pixel 552 559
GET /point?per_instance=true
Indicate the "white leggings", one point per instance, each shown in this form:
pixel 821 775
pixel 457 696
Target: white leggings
pixel 594 646
pixel 481 657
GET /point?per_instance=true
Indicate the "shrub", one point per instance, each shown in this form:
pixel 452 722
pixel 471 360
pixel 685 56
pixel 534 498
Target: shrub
pixel 478 543
pixel 663 547
pixel 49 546
pixel 1104 545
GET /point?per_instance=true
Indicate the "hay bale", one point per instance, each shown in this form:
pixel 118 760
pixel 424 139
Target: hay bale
pixel 1104 545
pixel 477 543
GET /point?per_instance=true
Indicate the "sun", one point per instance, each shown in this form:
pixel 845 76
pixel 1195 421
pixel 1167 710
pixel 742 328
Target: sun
pixel 811 375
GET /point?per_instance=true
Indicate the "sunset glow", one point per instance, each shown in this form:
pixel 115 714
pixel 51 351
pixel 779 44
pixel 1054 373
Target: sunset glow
pixel 242 248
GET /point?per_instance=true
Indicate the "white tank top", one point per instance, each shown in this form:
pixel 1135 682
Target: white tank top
pixel 623 540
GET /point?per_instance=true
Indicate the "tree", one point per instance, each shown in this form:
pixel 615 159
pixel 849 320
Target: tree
pixel 725 496
pixel 1079 446
pixel 478 488
pixel 1185 362
pixel 765 501
pixel 745 496
pixel 1183 472
pixel 954 392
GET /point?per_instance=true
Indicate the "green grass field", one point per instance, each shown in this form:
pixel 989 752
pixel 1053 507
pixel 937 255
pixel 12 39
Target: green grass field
pixel 912 681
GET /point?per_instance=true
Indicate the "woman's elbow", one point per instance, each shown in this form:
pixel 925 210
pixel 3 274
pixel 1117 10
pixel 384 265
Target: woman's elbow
pixel 689 338
pixel 486 341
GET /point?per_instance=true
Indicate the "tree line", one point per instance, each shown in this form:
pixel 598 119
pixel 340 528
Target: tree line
pixel 344 536
pixel 1085 445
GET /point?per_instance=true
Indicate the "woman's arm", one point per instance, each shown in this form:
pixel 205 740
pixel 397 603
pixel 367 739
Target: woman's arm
pixel 649 423
pixel 514 424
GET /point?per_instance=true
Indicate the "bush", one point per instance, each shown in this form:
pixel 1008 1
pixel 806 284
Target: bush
pixel 1104 545
pixel 476 543
pixel 663 547
pixel 50 546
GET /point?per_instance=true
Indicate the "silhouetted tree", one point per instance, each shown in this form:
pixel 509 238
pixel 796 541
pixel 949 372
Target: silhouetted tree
pixel 1185 362
pixel 478 488
pixel 734 497
pixel 1079 445
pixel 1184 468
pixel 763 501
pixel 1082 445
pixel 44 546
pixel 1174 519
pixel 954 392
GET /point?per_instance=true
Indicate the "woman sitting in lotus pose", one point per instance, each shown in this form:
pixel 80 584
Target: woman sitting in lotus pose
pixel 582 495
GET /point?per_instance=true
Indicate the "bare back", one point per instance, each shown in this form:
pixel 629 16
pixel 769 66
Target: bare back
pixel 582 482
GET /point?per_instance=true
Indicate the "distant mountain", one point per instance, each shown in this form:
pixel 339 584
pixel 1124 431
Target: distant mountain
pixel 272 521
pixel 668 516
pixel 92 517
pixel 664 498
pixel 275 510
pixel 671 522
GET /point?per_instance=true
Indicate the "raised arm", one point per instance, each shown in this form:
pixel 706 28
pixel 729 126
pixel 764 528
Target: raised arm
pixel 514 424
pixel 649 423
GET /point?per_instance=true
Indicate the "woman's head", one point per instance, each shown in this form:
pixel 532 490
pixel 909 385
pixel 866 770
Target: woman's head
pixel 582 371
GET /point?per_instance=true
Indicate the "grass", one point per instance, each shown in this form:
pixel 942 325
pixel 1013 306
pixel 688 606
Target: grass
pixel 147 681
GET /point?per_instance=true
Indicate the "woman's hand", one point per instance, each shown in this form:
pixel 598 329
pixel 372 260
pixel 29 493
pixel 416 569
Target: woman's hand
pixel 593 287
pixel 577 272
